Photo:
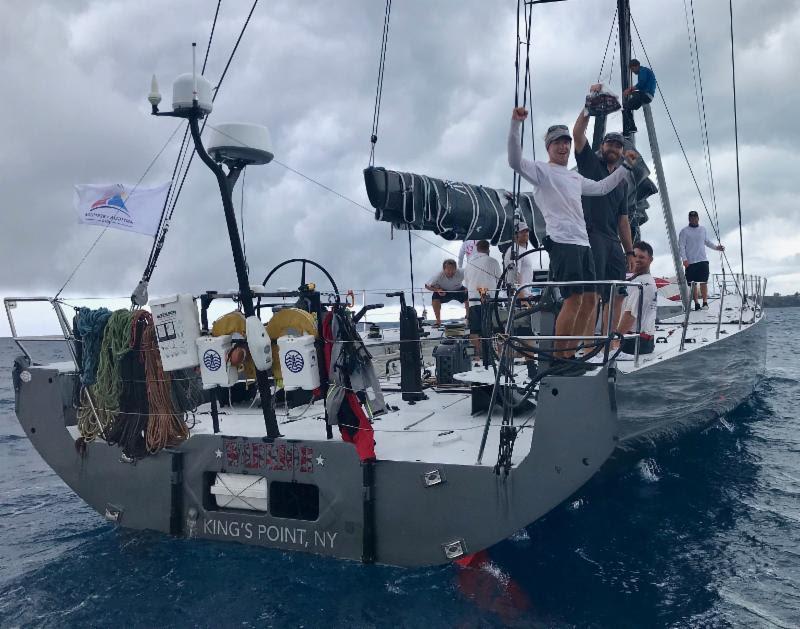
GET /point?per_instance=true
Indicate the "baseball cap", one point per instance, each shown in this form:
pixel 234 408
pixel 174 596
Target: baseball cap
pixel 614 136
pixel 555 132
pixel 522 225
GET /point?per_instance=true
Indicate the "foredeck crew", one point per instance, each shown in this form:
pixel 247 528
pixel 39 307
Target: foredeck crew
pixel 447 285
pixel 557 191
pixel 692 243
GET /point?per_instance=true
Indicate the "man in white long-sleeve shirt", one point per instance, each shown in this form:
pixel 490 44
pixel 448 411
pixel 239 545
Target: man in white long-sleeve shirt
pixel 481 275
pixel 558 193
pixel 692 243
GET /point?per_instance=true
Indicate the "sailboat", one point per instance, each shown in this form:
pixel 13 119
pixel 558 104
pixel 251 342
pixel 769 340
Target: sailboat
pixel 298 443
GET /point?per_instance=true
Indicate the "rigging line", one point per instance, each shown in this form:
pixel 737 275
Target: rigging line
pixel 376 113
pixel 335 192
pixel 411 269
pixel 613 57
pixel 241 218
pixel 211 37
pixel 133 189
pixel 683 150
pixel 694 57
pixel 608 43
pixel 233 52
pixel 528 98
pixel 172 196
pixel 703 106
pixel 736 136
pixel 675 130
pixel 160 242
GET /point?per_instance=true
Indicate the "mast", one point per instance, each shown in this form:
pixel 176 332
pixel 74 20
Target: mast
pixel 624 30
pixel 624 16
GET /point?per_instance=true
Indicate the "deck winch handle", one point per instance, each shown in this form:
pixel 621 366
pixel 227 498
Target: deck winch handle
pixel 364 310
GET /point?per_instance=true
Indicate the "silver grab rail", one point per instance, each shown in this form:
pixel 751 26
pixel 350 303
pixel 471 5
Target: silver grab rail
pixel 10 304
pixel 686 318
pixel 613 284
pixel 721 303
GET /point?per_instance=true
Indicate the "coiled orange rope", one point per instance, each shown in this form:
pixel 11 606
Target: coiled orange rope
pixel 165 427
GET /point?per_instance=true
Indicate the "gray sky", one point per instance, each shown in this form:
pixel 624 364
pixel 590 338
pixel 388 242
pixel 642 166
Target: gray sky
pixel 74 111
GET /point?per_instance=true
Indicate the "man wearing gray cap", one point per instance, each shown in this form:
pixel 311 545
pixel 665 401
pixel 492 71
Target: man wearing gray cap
pixel 557 192
pixel 606 217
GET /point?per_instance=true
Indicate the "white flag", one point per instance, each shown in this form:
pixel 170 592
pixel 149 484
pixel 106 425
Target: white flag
pixel 120 206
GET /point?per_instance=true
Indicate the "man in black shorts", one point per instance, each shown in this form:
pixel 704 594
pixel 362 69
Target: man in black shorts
pixel 606 217
pixel 447 285
pixel 692 243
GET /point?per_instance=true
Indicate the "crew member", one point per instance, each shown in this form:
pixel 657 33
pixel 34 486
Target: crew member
pixel 481 275
pixel 557 192
pixel 606 217
pixel 524 265
pixel 447 285
pixel 692 243
pixel 466 251
pixel 634 97
pixel 643 258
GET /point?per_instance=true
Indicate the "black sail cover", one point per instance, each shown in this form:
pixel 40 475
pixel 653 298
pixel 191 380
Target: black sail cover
pixel 453 210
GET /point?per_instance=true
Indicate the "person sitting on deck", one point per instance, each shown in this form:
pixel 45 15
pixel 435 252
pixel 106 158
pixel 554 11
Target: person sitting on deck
pixel 447 285
pixel 643 258
pixel 481 274
pixel 634 97
pixel 558 193
pixel 692 243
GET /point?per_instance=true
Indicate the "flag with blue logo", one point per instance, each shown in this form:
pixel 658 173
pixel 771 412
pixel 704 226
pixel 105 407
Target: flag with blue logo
pixel 134 209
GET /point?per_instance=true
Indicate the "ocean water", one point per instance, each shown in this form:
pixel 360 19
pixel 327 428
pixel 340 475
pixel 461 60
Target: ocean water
pixel 704 533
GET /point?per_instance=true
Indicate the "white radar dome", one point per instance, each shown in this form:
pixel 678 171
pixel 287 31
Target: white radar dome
pixel 240 142
pixel 183 93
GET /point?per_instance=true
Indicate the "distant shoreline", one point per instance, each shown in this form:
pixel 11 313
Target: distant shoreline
pixel 782 301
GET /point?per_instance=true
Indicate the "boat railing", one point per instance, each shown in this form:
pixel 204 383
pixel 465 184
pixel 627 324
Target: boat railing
pixel 11 303
pixel 748 289
pixel 612 285
pixel 607 338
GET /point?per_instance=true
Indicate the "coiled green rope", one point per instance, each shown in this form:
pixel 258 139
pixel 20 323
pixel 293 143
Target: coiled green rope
pixel 107 388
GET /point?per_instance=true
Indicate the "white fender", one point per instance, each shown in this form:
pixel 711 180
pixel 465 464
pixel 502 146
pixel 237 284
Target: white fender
pixel 259 343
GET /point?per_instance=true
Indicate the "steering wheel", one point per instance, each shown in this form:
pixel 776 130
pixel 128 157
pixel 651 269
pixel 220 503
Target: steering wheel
pixel 304 262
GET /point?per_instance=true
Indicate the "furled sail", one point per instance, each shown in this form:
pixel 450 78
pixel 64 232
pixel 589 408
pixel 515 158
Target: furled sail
pixel 462 211
pixel 453 210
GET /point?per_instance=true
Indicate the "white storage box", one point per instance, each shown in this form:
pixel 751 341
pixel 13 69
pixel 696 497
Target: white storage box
pixel 240 491
pixel 298 357
pixel 177 329
pixel 215 369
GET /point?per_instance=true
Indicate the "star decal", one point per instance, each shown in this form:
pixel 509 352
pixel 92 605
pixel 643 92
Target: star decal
pixel 218 453
pixel 320 461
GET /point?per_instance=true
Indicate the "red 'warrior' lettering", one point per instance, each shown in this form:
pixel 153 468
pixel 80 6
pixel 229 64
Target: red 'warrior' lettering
pixel 306 459
pixel 255 455
pixel 232 453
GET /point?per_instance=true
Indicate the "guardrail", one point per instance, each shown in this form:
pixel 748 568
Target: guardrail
pixel 613 285
pixel 10 304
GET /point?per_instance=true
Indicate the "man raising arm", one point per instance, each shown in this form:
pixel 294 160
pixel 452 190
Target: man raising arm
pixel 558 193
